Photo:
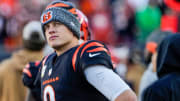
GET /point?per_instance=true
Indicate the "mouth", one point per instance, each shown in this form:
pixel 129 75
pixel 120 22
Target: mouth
pixel 53 37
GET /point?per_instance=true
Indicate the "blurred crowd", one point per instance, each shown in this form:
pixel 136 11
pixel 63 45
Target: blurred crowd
pixel 115 20
pixel 120 22
pixel 124 25
pixel 14 14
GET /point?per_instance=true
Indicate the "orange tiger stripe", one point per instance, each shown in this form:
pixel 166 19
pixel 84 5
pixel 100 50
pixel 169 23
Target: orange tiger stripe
pixel 73 11
pixel 26 71
pixel 90 45
pixel 57 5
pixel 99 49
pixel 37 63
pixel 75 56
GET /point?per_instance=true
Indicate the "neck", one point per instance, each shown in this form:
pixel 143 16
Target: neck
pixel 66 47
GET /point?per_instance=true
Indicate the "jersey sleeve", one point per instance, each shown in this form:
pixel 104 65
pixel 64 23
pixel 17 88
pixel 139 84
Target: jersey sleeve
pixel 95 53
pixel 106 81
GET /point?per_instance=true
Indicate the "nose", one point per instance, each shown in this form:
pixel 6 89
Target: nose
pixel 51 29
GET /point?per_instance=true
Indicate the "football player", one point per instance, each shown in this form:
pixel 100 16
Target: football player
pixel 31 70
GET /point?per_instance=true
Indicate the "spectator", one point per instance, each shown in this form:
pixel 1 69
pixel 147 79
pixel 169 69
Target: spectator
pixel 166 88
pixel 150 57
pixel 11 86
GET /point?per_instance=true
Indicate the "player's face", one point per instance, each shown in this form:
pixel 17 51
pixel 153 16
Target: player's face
pixel 57 34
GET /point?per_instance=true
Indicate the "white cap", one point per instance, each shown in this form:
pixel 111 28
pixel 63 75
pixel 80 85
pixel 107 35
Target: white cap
pixel 32 26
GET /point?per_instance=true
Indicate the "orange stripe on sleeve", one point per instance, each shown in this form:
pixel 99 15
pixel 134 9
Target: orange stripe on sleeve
pixel 37 63
pixel 90 45
pixel 26 71
pixel 57 5
pixel 99 49
pixel 75 56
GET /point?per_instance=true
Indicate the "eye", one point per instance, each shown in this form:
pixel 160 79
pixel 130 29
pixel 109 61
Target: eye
pixel 46 26
pixel 57 23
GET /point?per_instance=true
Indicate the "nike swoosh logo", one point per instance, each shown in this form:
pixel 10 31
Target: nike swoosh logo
pixel 92 55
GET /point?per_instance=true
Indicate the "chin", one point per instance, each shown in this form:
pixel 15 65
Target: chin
pixel 57 46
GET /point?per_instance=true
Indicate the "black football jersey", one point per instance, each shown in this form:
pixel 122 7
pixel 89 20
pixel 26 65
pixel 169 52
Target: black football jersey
pixel 62 77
